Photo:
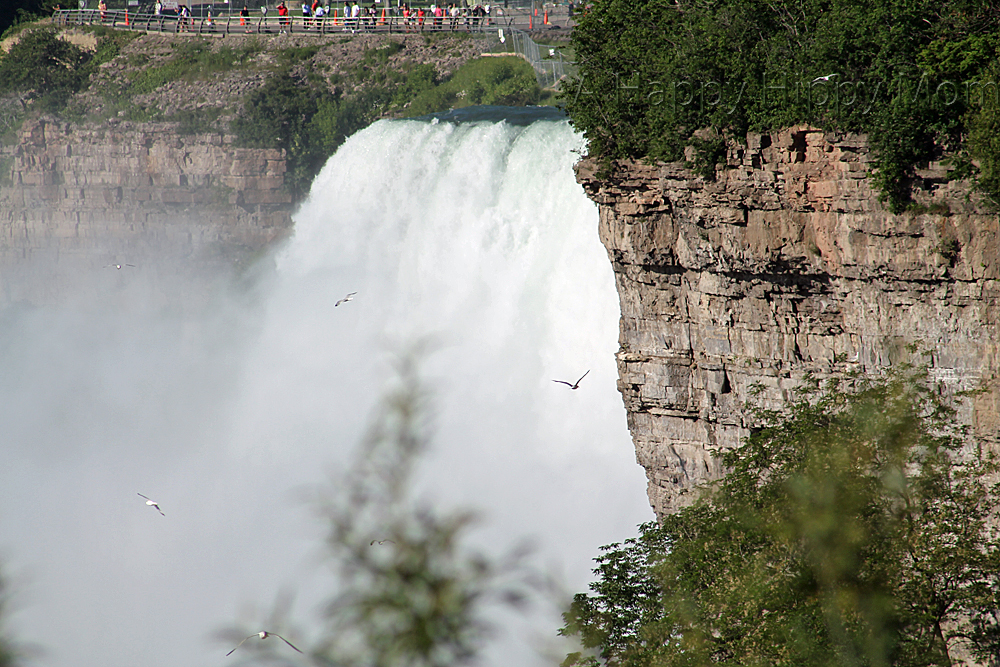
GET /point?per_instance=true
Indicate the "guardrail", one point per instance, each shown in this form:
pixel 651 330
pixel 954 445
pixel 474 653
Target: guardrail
pixel 270 23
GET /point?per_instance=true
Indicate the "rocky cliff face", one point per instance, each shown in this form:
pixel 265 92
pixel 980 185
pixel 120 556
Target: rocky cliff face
pixel 80 198
pixel 786 264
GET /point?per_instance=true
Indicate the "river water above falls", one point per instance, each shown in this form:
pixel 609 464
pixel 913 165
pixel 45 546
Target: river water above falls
pixel 469 231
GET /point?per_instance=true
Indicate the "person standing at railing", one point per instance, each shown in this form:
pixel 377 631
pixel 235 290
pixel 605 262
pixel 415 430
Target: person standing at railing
pixel 103 8
pixel 283 19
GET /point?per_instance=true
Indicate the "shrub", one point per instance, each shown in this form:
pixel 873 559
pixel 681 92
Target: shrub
pixel 856 529
pixel 652 73
pixel 48 68
pixel 502 81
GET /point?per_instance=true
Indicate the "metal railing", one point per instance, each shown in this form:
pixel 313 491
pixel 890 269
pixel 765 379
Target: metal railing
pixel 388 21
pixel 550 70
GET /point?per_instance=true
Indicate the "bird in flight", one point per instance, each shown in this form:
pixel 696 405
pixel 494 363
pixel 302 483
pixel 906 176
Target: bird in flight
pixel 374 542
pixel 349 297
pixel 118 266
pixel 264 634
pixel 824 78
pixel 153 503
pixel 575 385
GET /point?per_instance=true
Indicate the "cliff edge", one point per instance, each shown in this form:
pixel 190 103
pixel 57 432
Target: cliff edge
pixel 785 264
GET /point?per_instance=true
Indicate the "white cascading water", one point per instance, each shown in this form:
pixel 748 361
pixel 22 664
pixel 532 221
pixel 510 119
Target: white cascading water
pixel 472 235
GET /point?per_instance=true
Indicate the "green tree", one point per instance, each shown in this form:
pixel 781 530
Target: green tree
pixel 651 73
pixel 412 594
pixel 857 529
pixel 45 67
pixel 23 11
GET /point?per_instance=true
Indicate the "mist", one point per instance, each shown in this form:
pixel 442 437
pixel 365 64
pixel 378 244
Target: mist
pixel 470 237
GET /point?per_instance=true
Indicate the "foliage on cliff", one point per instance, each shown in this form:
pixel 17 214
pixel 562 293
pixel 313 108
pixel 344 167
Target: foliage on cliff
pixel 48 70
pixel 24 11
pixel 916 75
pixel 296 109
pixel 850 532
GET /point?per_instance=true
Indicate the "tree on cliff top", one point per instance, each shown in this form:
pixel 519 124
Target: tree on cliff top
pixel 24 11
pixel 913 74
pixel 856 530
pixel 44 67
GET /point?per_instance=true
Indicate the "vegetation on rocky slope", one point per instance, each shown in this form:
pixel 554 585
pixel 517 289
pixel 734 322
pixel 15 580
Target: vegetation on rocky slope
pixel 304 95
pixel 856 529
pixel 919 76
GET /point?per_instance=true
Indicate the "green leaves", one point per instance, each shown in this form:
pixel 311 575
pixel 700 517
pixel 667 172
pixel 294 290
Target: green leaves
pixel 412 595
pixel 854 530
pixel 50 68
pixel 653 72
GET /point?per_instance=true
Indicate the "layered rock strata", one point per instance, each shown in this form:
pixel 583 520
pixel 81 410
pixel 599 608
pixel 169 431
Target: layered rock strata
pixel 785 264
pixel 75 199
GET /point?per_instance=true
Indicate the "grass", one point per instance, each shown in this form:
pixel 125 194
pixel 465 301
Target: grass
pixel 195 59
pixel 504 81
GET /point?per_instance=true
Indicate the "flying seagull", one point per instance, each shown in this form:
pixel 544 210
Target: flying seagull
pixel 264 634
pixel 349 297
pixel 118 266
pixel 153 503
pixel 381 542
pixel 824 78
pixel 575 385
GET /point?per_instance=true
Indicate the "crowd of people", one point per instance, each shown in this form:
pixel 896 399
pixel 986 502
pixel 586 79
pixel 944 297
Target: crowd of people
pixel 436 16
pixel 350 15
pixel 355 16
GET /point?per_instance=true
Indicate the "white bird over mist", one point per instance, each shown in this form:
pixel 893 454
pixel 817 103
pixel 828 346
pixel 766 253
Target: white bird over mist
pixel 349 297
pixel 575 385
pixel 153 504
pixel 264 634
pixel 824 78
pixel 118 266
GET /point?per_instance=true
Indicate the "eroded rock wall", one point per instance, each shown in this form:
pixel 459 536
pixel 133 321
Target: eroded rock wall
pixel 786 264
pixel 75 199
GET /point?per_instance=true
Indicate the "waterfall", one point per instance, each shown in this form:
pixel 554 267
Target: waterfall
pixel 467 232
